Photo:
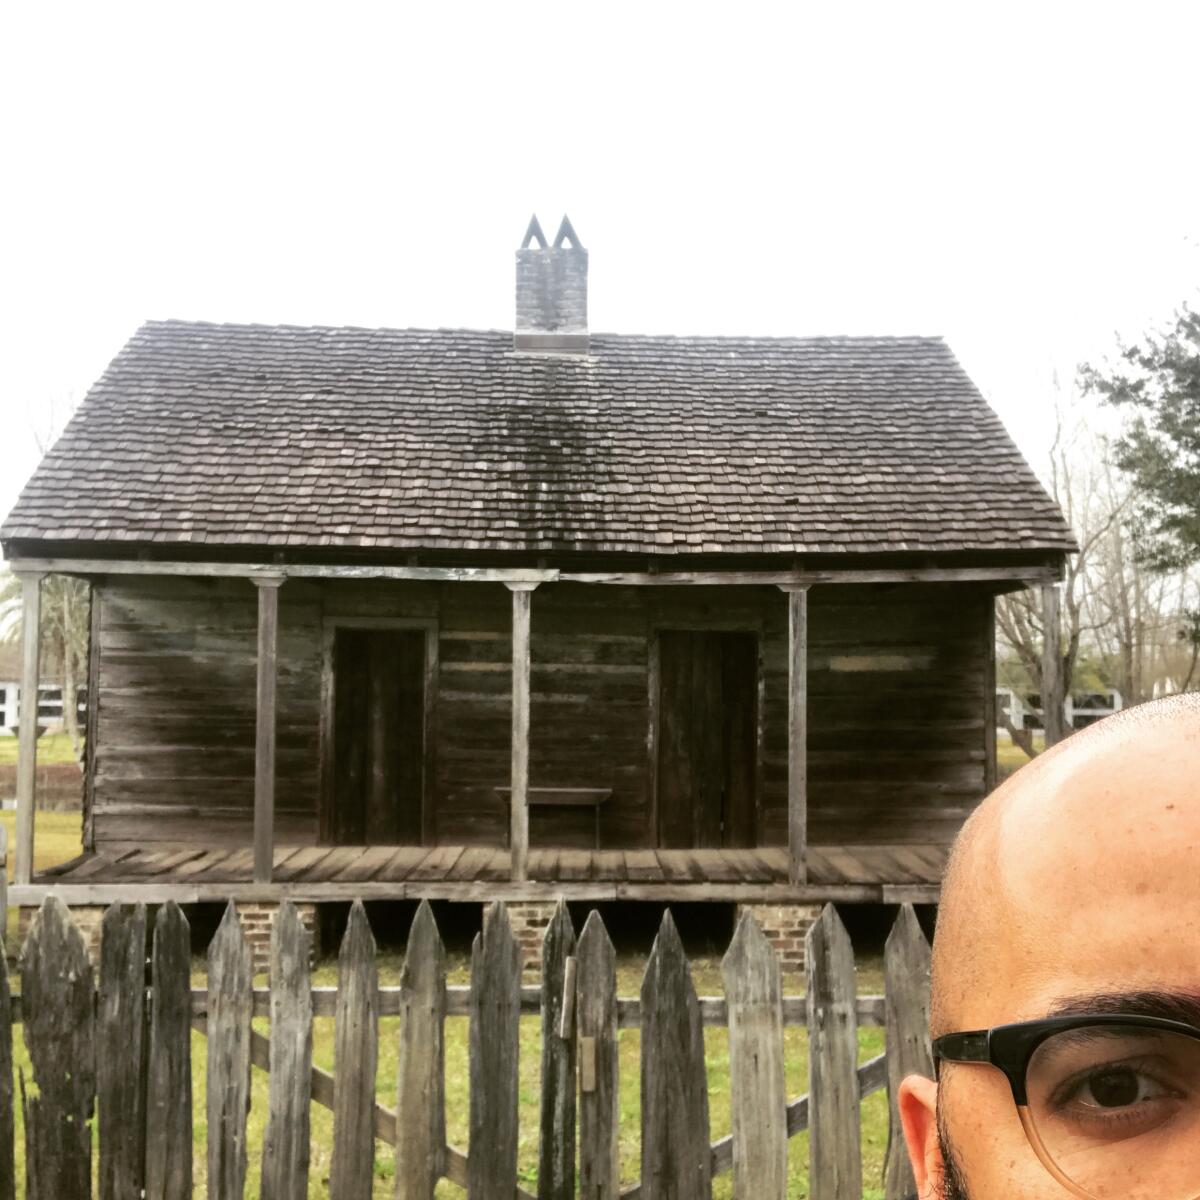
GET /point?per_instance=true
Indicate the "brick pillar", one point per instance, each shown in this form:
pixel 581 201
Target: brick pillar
pixel 87 919
pixel 257 918
pixel 529 919
pixel 785 926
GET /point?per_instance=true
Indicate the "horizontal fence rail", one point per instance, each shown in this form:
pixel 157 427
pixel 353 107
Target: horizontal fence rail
pixel 117 1049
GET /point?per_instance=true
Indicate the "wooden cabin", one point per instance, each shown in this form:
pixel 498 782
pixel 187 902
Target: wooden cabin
pixel 457 613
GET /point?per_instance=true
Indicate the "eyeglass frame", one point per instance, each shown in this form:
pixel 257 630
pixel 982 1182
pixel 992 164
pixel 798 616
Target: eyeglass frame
pixel 1009 1048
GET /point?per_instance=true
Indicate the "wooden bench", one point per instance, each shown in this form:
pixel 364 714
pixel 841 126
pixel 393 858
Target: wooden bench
pixel 564 797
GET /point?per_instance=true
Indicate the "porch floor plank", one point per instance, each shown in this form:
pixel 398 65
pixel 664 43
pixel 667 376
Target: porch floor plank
pixel 641 866
pixel 543 863
pixel 763 866
pixel 847 865
pixel 675 866
pixel 101 865
pixel 401 862
pixel 575 865
pixel 229 867
pixel 437 864
pixel 365 865
pixel 474 862
pixel 296 865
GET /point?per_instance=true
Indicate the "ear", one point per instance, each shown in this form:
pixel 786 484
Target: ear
pixel 918 1115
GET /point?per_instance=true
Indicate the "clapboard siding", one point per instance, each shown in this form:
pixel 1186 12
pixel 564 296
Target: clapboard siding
pixel 896 709
pixel 896 705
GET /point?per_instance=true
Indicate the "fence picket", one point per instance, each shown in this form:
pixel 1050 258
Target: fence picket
pixel 356 1055
pixel 289 1096
pixel 421 1071
pixel 835 1165
pixel 906 960
pixel 556 1149
pixel 57 1001
pixel 596 1021
pixel 8 1165
pixel 230 1004
pixel 87 1049
pixel 756 1076
pixel 121 1021
pixel 169 1071
pixel 494 1047
pixel 676 1162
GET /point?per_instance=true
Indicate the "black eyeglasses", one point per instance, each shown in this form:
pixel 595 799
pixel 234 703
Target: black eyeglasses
pixel 1110 1103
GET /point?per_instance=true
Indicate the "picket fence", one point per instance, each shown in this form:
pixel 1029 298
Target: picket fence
pixel 122 1051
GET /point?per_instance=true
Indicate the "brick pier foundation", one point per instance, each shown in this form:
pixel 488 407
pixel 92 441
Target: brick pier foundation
pixel 257 919
pixel 785 927
pixel 529 919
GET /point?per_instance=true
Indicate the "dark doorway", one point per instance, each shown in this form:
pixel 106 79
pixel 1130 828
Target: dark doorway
pixel 707 738
pixel 379 737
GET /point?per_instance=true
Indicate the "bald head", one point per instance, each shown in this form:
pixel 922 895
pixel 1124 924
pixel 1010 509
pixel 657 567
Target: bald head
pixel 1080 874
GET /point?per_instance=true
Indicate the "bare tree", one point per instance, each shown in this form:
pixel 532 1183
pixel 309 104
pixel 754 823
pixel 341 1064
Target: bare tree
pixel 1140 627
pixel 1075 463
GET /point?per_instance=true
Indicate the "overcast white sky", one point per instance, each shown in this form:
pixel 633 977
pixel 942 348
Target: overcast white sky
pixel 1020 179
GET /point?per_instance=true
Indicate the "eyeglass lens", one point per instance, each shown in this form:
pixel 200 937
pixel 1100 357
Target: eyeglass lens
pixel 1116 1109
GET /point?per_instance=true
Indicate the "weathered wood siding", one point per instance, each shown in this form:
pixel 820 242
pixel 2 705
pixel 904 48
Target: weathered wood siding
pixel 896 698
pixel 896 705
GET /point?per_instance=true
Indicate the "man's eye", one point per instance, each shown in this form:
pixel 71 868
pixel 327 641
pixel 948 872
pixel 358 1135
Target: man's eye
pixel 1117 1087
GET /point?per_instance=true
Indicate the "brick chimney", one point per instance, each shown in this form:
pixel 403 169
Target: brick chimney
pixel 551 292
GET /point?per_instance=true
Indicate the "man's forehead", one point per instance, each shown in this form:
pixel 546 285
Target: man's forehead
pixel 1082 877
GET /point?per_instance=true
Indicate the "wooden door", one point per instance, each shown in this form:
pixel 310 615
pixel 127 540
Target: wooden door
pixel 379 737
pixel 707 741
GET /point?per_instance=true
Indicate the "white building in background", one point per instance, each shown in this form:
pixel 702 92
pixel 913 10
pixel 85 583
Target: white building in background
pixel 1082 708
pixel 50 707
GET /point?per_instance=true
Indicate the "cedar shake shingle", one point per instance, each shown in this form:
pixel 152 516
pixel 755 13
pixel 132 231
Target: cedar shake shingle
pixel 228 435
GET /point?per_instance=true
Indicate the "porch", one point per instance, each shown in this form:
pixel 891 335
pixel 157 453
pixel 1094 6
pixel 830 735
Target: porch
pixel 191 873
pixel 860 731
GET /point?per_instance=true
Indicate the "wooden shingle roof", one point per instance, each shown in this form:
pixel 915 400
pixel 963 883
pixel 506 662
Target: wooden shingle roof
pixel 238 435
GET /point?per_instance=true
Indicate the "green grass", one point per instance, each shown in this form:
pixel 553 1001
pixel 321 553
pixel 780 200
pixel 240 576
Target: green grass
pixel 57 837
pixel 1010 757
pixel 51 748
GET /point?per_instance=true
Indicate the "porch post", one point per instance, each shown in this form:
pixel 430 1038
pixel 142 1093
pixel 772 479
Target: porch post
pixel 1052 666
pixel 264 742
pixel 797 734
pixel 522 596
pixel 31 609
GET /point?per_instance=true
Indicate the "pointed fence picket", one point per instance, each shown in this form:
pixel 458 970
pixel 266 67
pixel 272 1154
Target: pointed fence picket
pixel 356 1057
pixel 124 1050
pixel 286 1144
pixel 169 1062
pixel 229 1010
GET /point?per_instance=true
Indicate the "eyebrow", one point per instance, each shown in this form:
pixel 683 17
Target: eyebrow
pixel 1181 1006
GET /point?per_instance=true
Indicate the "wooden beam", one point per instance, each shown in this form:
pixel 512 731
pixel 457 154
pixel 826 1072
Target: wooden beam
pixel 264 740
pixel 91 738
pixel 31 613
pixel 522 596
pixel 797 734
pixel 474 891
pixel 989 695
pixel 1026 574
pixel 1052 666
pixel 236 570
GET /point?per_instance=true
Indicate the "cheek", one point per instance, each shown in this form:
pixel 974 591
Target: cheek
pixel 993 1153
